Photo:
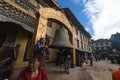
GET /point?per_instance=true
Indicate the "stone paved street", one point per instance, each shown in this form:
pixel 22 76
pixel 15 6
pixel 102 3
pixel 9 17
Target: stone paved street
pixel 100 71
pixel 76 73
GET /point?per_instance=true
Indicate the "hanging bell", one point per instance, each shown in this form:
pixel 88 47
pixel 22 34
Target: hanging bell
pixel 61 39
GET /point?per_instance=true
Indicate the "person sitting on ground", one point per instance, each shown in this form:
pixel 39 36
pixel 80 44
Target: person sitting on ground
pixel 33 71
pixel 116 74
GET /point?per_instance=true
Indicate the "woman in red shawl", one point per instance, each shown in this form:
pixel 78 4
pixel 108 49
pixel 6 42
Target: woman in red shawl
pixel 33 71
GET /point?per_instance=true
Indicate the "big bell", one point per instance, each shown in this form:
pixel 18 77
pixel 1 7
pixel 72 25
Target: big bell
pixel 61 39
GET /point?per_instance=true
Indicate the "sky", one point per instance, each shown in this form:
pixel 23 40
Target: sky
pixel 101 18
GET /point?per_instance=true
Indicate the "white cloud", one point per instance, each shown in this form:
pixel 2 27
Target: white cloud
pixel 87 29
pixel 83 1
pixel 104 16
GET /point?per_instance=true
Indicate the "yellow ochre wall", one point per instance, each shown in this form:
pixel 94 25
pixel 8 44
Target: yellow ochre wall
pixel 21 38
pixel 46 13
pixel 51 33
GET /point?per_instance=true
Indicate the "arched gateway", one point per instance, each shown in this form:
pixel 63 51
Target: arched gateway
pixel 55 19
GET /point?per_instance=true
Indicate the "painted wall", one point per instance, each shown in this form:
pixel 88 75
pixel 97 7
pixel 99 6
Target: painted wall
pixel 46 13
pixel 51 33
pixel 22 40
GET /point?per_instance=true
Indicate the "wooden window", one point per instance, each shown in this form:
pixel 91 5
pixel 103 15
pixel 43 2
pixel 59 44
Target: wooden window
pixel 49 24
pixel 76 31
pixel 77 43
pixel 47 38
pixel 27 50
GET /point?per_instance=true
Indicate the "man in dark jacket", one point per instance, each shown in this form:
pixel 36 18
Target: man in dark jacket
pixel 67 59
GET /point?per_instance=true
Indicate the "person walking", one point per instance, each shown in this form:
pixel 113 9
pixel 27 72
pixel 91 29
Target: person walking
pixel 58 58
pixel 67 60
pixel 91 59
pixel 81 59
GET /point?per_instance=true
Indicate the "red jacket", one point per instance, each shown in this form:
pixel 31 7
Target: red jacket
pixel 26 74
pixel 116 75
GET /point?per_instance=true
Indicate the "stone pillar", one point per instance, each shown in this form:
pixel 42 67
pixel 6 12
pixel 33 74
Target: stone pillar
pixel 73 55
